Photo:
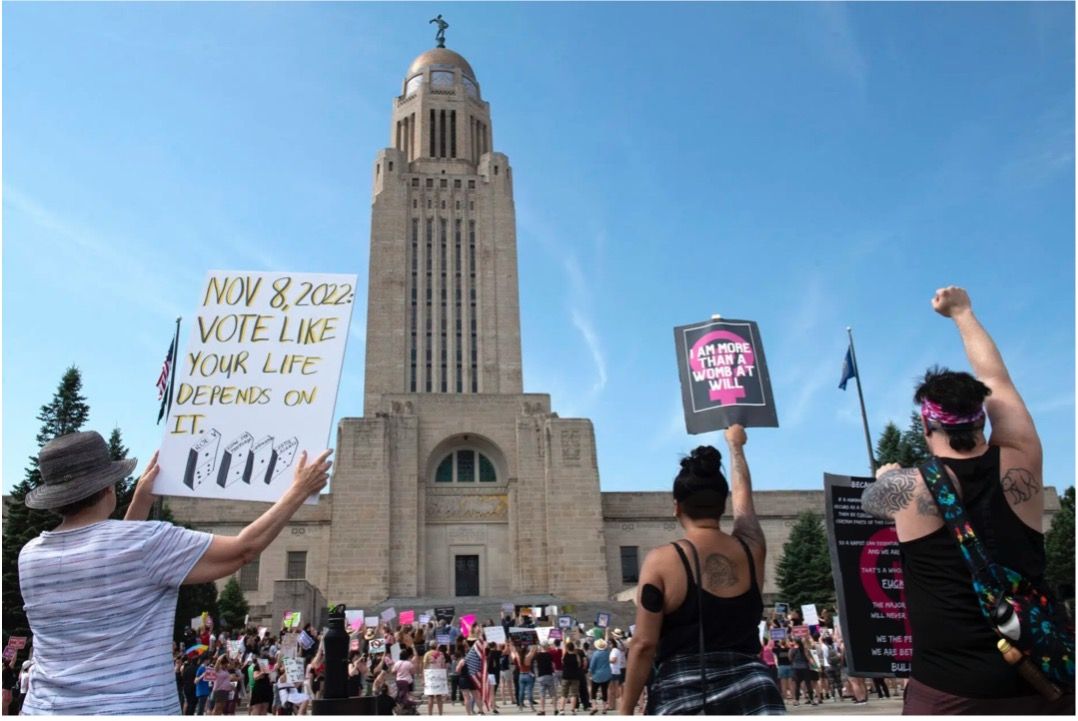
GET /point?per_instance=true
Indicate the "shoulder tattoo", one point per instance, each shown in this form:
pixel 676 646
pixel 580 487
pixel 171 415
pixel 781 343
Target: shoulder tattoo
pixel 890 494
pixel 1020 485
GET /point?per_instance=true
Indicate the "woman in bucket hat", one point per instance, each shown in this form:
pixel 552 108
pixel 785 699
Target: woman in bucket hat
pixel 90 580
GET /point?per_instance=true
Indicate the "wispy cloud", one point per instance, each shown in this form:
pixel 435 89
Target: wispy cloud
pixel 583 325
pixel 838 45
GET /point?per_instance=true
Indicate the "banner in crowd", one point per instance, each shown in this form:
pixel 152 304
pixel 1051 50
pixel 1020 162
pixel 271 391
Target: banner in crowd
pixel 724 377
pixel 445 613
pixel 543 633
pixel 388 614
pixel 494 634
pixel 14 645
pixel 602 620
pixel 565 621
pixel 292 619
pixel 523 636
pixel 868 578
pixel 555 634
pixel 800 632
pixel 294 668
pixel 257 384
pixel 435 682
pixel 407 617
pixel 809 616
pixel 781 609
pixel 424 619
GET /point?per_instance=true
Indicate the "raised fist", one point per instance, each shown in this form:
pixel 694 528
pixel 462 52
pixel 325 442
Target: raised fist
pixel 887 468
pixel 951 301
pixel 735 436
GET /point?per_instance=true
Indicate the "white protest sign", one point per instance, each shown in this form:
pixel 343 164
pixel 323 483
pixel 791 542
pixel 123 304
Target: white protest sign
pixel 255 384
pixel 551 611
pixel 370 621
pixel 294 668
pixel 262 631
pixel 389 614
pixel 424 618
pixel 196 623
pixel 289 646
pixel 809 616
pixel 395 652
pixel 305 640
pixel 763 631
pixel 494 634
pixel 543 632
pixel 235 649
pixel 537 611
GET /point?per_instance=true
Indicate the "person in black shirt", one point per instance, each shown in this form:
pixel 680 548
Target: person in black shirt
pixel 956 667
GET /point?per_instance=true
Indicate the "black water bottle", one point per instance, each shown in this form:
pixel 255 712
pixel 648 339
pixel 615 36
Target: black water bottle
pixel 335 646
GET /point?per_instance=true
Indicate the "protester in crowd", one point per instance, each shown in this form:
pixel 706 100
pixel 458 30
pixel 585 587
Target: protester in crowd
pixel 261 692
pixel 801 661
pixel 544 676
pixel 202 685
pixel 834 667
pixel 494 673
pixel 9 683
pixel 435 678
pixel 404 672
pixel 956 667
pixel 767 655
pixel 73 577
pixel 783 669
pixel 600 672
pixel 617 667
pixel 222 685
pixel 674 605
pixel 572 675
pixel 524 658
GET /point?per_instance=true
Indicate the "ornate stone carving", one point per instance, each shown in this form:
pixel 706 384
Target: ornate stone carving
pixel 467 508
pixel 570 446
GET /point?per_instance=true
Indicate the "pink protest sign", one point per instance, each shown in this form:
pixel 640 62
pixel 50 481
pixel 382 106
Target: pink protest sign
pixel 466 623
pixel 407 617
pixel 724 378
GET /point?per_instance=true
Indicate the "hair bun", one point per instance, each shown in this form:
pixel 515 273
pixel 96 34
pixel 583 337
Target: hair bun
pixel 704 461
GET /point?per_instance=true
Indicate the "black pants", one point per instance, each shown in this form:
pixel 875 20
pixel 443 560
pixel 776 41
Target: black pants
pixel 803 675
pixel 585 702
pixel 599 689
pixel 189 701
pixel 454 687
pixel 881 687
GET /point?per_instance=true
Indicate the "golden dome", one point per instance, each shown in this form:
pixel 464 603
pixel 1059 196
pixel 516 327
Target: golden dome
pixel 440 56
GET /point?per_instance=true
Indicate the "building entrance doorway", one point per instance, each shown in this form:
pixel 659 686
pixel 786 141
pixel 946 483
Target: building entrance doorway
pixel 467 575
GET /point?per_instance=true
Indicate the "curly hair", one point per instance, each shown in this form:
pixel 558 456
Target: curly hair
pixel 956 392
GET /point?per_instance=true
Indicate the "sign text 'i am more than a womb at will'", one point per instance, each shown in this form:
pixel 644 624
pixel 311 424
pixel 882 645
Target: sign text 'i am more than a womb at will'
pixel 257 383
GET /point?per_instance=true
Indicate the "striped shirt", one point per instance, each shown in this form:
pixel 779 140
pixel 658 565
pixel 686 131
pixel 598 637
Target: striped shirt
pixel 101 601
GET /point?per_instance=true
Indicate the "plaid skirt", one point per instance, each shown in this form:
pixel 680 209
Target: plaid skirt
pixel 737 685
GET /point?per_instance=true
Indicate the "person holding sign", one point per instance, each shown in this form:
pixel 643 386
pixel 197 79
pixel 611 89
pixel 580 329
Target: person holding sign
pixel 90 580
pixel 956 666
pixel 699 604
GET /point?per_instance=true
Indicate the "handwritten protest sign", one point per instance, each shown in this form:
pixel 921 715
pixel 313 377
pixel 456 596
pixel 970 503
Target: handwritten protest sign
pixel 424 619
pixel 555 634
pixel 443 639
pixel 508 608
pixel 305 640
pixel 778 634
pixel 371 621
pixel 494 634
pixel 542 633
pixel 445 613
pixel 389 614
pixel 724 377
pixel 800 631
pixel 294 668
pixel 868 578
pixel 289 646
pixel 602 620
pixel 809 615
pixel 256 385
pixel 377 646
pixel 235 649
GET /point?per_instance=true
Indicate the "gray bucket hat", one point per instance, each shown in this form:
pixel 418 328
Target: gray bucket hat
pixel 74 467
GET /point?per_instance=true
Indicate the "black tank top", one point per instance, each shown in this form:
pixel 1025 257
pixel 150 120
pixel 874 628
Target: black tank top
pixel 544 665
pixel 954 649
pixel 730 624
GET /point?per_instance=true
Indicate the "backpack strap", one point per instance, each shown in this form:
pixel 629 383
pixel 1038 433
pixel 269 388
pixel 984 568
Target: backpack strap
pixel 700 621
pixel 987 584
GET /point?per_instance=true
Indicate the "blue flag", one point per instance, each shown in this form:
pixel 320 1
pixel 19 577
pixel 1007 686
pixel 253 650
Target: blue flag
pixel 848 369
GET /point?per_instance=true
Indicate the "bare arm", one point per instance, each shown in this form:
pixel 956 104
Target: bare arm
pixel 892 493
pixel 746 524
pixel 1012 425
pixel 645 638
pixel 143 498
pixel 227 554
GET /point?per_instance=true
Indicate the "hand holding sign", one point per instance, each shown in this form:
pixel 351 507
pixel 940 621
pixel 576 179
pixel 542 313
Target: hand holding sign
pixel 309 479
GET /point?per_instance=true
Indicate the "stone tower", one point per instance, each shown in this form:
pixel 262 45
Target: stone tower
pixel 455 482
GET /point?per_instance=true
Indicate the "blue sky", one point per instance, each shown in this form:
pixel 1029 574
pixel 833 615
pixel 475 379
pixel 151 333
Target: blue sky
pixel 808 166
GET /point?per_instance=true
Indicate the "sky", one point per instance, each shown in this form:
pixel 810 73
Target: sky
pixel 806 166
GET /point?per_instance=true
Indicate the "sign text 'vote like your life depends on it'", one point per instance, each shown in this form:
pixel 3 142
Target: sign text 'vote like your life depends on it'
pixel 257 383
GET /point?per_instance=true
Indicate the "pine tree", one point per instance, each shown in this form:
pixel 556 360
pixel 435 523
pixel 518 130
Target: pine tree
pixel 913 450
pixel 888 448
pixel 125 489
pixel 1059 548
pixel 804 572
pixel 232 605
pixel 65 413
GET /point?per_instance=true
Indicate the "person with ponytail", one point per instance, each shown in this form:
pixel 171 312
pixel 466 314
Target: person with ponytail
pixel 698 601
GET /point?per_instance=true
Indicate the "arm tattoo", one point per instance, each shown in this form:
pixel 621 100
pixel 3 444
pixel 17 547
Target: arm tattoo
pixel 890 494
pixel 926 506
pixel 746 524
pixel 1019 485
pixel 719 571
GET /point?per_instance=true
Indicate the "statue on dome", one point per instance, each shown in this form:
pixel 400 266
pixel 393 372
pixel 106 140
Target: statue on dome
pixel 439 37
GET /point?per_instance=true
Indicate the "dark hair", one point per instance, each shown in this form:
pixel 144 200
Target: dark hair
pixel 73 508
pixel 700 488
pixel 406 653
pixel 958 393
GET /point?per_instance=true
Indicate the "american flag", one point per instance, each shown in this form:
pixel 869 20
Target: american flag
pixel 476 662
pixel 166 369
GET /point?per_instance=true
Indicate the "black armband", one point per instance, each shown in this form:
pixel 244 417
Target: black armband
pixel 651 598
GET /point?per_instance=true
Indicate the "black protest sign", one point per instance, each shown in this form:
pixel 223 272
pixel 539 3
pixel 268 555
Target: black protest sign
pixel 445 613
pixel 724 377
pixel 868 578
pixel 523 636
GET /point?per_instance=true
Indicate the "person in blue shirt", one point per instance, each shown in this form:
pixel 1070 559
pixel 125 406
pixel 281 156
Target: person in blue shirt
pixel 599 669
pixel 202 686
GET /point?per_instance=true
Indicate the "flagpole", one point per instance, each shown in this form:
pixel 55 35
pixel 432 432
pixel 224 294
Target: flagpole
pixel 158 503
pixel 861 397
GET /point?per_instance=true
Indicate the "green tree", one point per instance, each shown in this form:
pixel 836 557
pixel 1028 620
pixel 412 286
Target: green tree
pixel 232 605
pixel 804 572
pixel 125 489
pixel 193 601
pixel 889 446
pixel 1059 548
pixel 913 451
pixel 65 413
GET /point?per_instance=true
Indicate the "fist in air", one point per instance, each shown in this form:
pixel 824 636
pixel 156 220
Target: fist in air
pixel 951 301
pixel 736 436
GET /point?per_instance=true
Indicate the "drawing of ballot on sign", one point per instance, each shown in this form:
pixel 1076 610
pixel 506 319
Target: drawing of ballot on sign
pixel 286 453
pixel 265 459
pixel 201 459
pixel 236 461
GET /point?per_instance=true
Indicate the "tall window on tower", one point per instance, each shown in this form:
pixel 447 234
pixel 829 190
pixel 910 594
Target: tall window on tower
pixel 452 133
pixel 415 298
pixel 433 149
pixel 430 255
pixel 443 350
pixel 471 292
pixel 441 134
pixel 459 365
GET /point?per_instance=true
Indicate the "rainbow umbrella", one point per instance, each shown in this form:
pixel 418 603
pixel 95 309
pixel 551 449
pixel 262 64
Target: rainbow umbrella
pixel 197 650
